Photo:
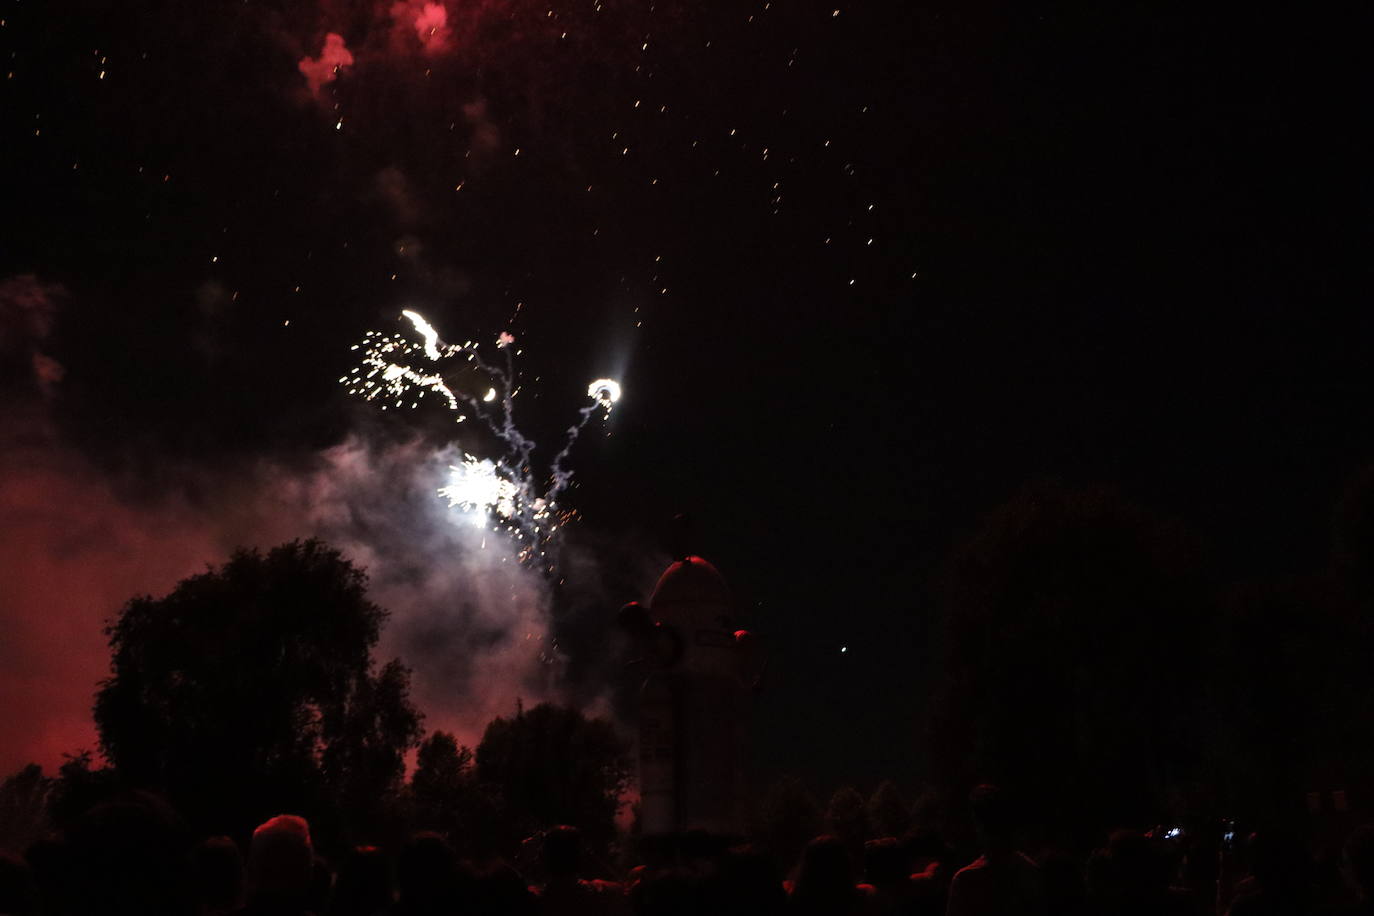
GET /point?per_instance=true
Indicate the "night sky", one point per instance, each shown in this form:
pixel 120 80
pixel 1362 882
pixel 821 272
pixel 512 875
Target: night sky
pixel 863 270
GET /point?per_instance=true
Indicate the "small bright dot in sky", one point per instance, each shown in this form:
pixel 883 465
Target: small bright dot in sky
pixel 843 649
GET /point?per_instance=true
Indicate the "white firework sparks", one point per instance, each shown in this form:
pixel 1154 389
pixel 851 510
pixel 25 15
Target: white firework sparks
pixel 605 390
pixel 499 493
pixel 431 336
pixel 477 487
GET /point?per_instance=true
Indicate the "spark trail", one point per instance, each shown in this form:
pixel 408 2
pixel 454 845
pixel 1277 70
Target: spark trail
pixel 501 492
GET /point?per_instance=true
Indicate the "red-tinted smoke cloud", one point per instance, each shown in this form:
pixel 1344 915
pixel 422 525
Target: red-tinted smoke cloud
pixel 420 20
pixel 473 623
pixel 27 310
pixel 72 554
pixel 333 59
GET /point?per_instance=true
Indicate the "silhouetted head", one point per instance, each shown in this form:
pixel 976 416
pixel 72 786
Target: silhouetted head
pixel 994 816
pixel 427 873
pixel 364 884
pixel 18 894
pixel 749 883
pixel 1138 869
pixel 1130 873
pixel 1061 877
pixel 498 888
pixel 281 859
pixel 561 853
pixel 51 861
pixel 1280 861
pixel 667 892
pixel 886 862
pixel 1359 860
pixel 321 884
pixel 699 847
pixel 219 874
pixel 924 845
pixel 825 878
pixel 131 855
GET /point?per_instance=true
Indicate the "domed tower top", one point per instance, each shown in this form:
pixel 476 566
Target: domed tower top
pixel 693 602
pixel 690 581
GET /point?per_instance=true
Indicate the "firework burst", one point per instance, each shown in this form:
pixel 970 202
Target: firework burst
pixel 499 493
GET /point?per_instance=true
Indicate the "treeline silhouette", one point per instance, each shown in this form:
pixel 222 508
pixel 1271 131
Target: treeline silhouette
pixel 1170 740
pixel 1130 671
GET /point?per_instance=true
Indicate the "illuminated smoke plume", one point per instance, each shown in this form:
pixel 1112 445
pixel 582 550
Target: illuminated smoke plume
pixel 604 392
pixel 501 492
pixel 397 191
pixel 429 21
pixel 27 309
pixel 323 70
pixel 474 623
pixel 486 136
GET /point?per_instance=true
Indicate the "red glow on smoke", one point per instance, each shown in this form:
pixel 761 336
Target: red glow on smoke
pixel 323 70
pixel 431 25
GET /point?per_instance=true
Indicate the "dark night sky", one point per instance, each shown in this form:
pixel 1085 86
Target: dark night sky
pixel 863 273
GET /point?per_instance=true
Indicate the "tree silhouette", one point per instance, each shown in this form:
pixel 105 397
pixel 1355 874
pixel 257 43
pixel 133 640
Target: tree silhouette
pixel 552 765
pixel 78 787
pixel 442 769
pixel 251 689
pixel 446 797
pixel 23 808
pixel 1075 630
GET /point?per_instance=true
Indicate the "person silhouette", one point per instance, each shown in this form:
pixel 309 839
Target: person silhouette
pixel 825 885
pixel 566 893
pixel 1357 861
pixel 1002 881
pixel 281 865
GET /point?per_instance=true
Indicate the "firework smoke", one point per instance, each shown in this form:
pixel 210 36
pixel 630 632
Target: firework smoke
pixel 430 21
pixel 500 492
pixel 474 624
pixel 323 70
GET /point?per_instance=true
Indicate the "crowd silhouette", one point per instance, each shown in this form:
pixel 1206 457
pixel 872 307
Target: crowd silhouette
pixel 134 854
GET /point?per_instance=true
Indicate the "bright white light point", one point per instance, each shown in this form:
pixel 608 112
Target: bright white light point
pixel 490 395
pixel 605 390
pixel 843 649
pixel 431 336
pixel 477 487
